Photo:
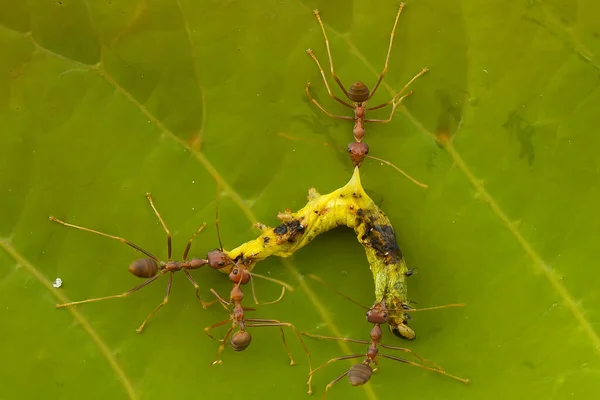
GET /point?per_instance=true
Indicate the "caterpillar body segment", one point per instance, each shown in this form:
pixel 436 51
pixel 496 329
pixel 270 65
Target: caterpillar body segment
pixel 347 206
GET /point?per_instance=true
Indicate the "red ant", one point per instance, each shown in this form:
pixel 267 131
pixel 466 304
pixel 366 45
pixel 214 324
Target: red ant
pixel 359 95
pixel 361 373
pixel 153 268
pixel 241 339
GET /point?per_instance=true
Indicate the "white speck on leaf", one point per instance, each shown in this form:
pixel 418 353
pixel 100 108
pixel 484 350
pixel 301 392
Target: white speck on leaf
pixel 57 283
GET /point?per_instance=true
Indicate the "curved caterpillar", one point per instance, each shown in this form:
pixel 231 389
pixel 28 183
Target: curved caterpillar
pixel 347 206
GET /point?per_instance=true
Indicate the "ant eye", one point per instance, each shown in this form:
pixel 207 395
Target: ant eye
pixel 385 315
pixel 349 150
pixel 220 263
pixel 366 152
pixel 367 314
pixel 235 271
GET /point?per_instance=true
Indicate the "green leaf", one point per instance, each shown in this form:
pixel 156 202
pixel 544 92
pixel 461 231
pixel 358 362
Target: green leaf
pixel 103 101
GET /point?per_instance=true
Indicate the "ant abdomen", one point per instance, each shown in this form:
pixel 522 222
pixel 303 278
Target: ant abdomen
pixel 143 268
pixel 240 341
pixel 358 92
pixel 360 374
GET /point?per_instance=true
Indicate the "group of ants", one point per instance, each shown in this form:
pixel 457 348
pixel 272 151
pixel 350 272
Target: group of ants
pixel 152 268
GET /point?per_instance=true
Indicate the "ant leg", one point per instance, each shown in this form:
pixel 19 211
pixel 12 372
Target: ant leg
pixel 116 296
pixel 348 357
pixel 312 55
pixel 439 371
pixel 333 382
pixel 376 367
pixel 163 225
pixel 205 304
pixel 316 12
pixel 221 300
pixel 165 301
pixel 292 362
pixel 400 92
pixel 343 339
pixel 385 346
pixel 208 328
pixel 324 110
pixel 394 105
pixel 414 78
pixel 387 103
pixel 120 239
pixel 221 348
pixel 387 58
pixel 189 245
pixel 270 322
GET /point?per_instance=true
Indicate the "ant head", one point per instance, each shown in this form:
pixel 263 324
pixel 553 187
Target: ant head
pixel 143 268
pixel 239 274
pixel 217 259
pixel 377 314
pixel 240 340
pixel 357 152
pixel 358 92
pixel 403 331
pixel 360 374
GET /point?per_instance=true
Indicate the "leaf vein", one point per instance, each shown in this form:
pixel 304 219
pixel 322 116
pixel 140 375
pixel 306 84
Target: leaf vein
pixel 96 338
pixel 539 264
pixel 197 142
pixel 99 69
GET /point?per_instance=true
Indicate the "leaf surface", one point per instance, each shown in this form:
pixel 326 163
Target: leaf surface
pixel 103 101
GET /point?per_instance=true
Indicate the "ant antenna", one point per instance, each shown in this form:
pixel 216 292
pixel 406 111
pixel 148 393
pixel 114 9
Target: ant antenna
pixel 321 281
pixel 433 308
pixel 217 213
pixel 388 163
pixel 283 285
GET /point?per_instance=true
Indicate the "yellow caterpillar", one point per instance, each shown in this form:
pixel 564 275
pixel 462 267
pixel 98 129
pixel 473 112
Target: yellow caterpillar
pixel 347 206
